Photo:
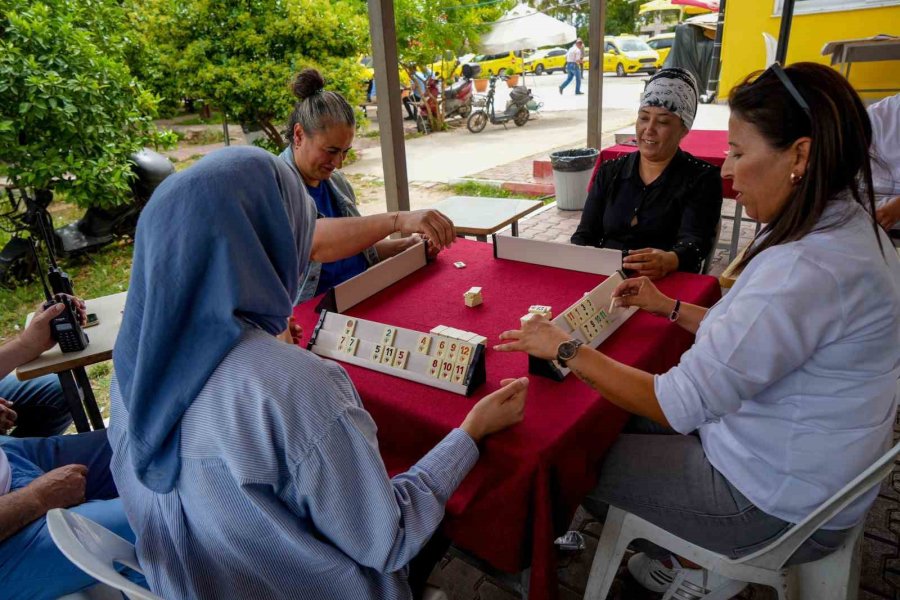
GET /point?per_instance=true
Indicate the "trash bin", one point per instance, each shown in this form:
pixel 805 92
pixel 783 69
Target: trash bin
pixel 571 175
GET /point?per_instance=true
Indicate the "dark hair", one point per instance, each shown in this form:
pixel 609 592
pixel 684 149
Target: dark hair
pixel 840 130
pixel 317 108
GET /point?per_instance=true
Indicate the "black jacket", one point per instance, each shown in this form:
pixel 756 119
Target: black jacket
pixel 679 211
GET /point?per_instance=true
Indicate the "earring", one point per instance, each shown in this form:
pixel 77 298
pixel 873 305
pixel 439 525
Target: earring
pixel 795 179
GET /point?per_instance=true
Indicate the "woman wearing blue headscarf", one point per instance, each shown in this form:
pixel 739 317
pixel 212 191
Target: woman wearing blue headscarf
pixel 248 467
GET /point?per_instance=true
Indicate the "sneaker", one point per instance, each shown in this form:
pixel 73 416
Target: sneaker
pixel 696 584
pixel 652 574
pixel 560 90
pixel 579 93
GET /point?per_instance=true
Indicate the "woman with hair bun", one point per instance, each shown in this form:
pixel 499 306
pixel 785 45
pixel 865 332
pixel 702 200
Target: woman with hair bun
pixel 790 389
pixel 321 129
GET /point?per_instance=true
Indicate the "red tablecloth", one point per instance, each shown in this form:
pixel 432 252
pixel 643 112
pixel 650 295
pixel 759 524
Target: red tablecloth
pixel 705 144
pixel 530 479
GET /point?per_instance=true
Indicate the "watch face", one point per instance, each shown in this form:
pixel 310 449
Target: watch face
pixel 567 350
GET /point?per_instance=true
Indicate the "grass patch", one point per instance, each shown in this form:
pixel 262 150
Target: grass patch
pixel 473 188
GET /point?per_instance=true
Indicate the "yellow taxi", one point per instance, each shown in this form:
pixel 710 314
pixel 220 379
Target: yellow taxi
pixel 662 44
pixel 547 60
pixel 368 75
pixel 626 54
pixel 444 67
pixel 493 64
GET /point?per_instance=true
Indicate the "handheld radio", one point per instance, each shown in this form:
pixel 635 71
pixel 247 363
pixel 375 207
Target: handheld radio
pixel 59 279
pixel 65 327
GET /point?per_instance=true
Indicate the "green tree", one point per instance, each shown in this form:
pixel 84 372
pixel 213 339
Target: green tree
pixel 621 17
pixel 70 110
pixel 426 30
pixel 241 55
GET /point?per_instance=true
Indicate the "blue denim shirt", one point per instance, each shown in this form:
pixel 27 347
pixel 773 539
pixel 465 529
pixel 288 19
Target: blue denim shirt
pixel 342 191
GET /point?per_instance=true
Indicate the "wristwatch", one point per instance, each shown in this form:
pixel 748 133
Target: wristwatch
pixel 567 350
pixel 673 316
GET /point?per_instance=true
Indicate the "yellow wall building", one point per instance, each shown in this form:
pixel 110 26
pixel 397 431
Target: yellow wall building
pixel 815 23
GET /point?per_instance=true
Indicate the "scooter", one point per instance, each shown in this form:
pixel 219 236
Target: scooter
pixel 516 108
pixel 457 98
pixel 25 215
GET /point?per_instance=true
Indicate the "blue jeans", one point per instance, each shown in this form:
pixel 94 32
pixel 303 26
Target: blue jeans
pixel 40 407
pixel 573 71
pixel 30 564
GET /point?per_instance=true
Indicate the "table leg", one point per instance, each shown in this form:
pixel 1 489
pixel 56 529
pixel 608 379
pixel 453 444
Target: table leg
pixel 514 229
pixel 73 396
pixel 735 231
pixel 90 403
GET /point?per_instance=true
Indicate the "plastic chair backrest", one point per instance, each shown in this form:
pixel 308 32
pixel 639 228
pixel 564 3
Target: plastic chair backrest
pixel 95 550
pixel 771 48
pixel 778 552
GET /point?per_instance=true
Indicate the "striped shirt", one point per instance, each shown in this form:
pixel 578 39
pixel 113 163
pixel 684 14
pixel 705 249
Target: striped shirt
pixel 282 491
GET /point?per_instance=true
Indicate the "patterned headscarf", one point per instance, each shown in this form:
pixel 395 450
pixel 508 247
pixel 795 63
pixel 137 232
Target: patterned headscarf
pixel 674 89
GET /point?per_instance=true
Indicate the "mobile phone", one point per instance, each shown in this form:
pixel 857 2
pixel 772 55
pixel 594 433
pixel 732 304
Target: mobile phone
pixel 92 319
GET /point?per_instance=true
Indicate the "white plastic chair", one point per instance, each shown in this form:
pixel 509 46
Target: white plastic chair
pixel 95 550
pixel 835 577
pixel 771 48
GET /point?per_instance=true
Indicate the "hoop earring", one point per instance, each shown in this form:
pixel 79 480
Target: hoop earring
pixel 795 179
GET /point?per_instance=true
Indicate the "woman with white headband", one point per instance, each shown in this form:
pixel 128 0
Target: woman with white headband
pixel 660 203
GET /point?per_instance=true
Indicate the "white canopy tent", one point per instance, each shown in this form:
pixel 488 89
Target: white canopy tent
pixel 524 28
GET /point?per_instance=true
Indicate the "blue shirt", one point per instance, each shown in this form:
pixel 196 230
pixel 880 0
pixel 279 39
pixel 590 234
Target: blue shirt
pixel 282 492
pixel 792 380
pixel 339 271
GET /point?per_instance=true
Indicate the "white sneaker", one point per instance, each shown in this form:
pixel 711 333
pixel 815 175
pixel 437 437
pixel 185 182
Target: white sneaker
pixel 696 584
pixel 652 574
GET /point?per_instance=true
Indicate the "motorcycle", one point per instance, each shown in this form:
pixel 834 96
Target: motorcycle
pixel 26 215
pixel 516 108
pixel 457 99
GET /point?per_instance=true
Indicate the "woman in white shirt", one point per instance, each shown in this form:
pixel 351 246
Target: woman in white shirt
pixel 791 383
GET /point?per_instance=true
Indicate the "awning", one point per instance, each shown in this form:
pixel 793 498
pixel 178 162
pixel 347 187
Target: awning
pixel 691 7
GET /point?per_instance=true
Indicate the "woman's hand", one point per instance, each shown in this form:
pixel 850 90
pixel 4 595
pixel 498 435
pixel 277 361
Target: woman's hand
pixel 650 262
pixel 432 223
pixel 293 334
pixel 641 292
pixel 888 214
pixel 37 337
pixel 498 410
pixel 538 337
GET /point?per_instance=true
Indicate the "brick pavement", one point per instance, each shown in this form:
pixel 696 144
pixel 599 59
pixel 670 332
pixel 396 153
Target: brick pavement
pixel 461 580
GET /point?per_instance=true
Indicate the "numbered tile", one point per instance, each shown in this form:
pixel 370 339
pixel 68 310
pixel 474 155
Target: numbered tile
pixel 349 327
pixel 424 344
pixel 435 368
pixel 589 305
pixel 438 329
pixel 572 319
pixel 377 353
pixel 442 347
pixel 387 358
pixel 389 334
pixel 459 374
pixel 587 330
pixel 464 355
pixel 452 350
pixel 342 343
pixel 400 359
pixel 447 370
pixel 598 321
pixel 352 346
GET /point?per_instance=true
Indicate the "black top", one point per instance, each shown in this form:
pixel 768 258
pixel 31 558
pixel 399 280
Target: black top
pixel 679 211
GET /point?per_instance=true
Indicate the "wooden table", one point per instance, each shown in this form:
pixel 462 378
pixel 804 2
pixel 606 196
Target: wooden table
pixel 481 216
pixel 70 366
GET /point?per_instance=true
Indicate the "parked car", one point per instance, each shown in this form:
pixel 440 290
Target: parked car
pixel 494 64
pixel 368 77
pixel 547 60
pixel 444 68
pixel 627 54
pixel 662 44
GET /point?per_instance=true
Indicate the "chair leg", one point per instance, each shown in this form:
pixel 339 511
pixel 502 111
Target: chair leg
pixel 610 551
pixel 835 577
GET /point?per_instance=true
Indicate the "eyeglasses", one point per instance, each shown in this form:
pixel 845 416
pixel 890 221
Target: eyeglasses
pixel 786 82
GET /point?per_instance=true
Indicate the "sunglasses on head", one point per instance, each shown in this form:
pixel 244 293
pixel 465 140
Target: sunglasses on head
pixel 786 82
